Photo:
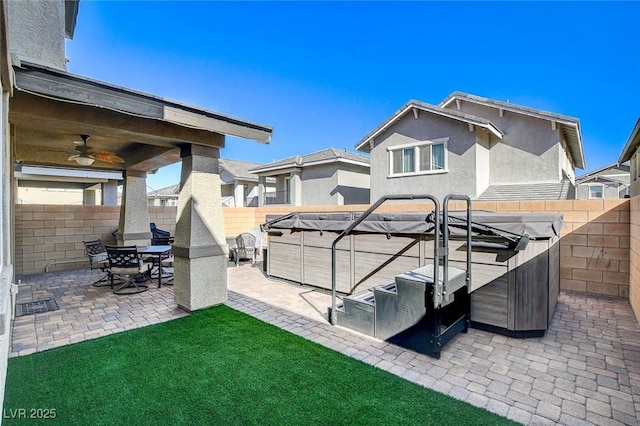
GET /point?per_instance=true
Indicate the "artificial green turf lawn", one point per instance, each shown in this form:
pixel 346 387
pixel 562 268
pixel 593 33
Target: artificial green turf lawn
pixel 215 367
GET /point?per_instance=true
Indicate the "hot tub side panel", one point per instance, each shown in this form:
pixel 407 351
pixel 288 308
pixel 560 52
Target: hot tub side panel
pixel 529 288
pixel 285 255
pixel 316 260
pixel 379 260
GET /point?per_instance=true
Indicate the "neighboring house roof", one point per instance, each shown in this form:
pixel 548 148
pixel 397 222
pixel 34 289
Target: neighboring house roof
pixel 326 156
pixel 483 123
pixel 622 176
pixel 239 170
pixel 570 126
pixel 169 191
pixel 632 144
pixel 527 191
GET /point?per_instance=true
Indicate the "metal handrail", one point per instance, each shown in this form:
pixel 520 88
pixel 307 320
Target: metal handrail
pixel 374 206
pixel 445 237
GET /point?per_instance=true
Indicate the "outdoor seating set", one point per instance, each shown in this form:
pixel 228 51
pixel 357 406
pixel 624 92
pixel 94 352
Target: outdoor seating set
pixel 128 268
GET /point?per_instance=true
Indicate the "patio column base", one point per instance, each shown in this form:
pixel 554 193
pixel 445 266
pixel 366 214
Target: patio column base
pixel 208 287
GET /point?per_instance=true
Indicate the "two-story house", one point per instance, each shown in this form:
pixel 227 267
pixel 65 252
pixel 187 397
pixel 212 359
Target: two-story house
pixel 608 182
pixel 483 148
pixel 327 177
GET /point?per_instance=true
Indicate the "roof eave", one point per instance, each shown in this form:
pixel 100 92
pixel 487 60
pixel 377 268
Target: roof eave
pixel 632 144
pixel 66 87
pixel 486 125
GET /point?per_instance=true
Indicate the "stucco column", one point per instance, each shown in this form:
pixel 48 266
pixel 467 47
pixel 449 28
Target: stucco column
pixel 200 266
pixel 134 211
pixel 238 195
pixel 262 181
pixel 110 193
pixel 296 188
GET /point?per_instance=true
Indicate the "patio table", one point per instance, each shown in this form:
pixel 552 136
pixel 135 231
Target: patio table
pixel 158 251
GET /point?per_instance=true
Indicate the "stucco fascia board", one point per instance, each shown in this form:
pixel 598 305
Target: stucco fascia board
pixel 62 86
pixel 632 144
pixel 337 160
pixel 421 106
pixel 519 109
pixel 601 170
pixel 70 17
pixel 278 170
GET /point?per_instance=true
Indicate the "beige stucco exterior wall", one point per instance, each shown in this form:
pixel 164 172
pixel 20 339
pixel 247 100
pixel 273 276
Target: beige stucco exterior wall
pixel 461 176
pixel 529 150
pixel 37 31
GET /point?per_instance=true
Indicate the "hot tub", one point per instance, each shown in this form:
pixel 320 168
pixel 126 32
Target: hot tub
pixel 514 287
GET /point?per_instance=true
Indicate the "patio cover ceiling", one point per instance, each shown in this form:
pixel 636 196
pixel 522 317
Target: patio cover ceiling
pixel 50 109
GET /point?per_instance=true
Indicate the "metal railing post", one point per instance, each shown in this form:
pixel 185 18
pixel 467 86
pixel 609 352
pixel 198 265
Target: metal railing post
pixel 352 226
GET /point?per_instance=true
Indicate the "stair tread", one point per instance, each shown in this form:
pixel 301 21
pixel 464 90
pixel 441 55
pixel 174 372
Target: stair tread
pixel 425 274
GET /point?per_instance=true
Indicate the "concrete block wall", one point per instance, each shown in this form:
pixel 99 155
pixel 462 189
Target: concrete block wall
pixel 595 246
pixel 52 235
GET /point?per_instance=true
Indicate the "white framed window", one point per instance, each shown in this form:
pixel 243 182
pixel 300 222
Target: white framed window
pixel 596 191
pixel 426 157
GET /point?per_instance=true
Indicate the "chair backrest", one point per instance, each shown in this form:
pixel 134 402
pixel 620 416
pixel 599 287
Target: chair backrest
pixel 156 232
pixel 245 241
pixel 161 241
pixel 95 250
pixel 123 256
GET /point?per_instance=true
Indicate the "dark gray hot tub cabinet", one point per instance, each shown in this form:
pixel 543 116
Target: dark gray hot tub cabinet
pixel 513 292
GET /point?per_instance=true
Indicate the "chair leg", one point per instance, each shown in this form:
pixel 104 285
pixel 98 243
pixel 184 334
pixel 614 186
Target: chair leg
pixel 105 280
pixel 131 284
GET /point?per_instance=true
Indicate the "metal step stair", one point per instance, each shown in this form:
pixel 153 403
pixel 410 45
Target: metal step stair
pixel 406 312
pixel 357 312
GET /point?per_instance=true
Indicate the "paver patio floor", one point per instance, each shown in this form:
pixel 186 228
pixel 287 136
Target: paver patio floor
pixel 585 370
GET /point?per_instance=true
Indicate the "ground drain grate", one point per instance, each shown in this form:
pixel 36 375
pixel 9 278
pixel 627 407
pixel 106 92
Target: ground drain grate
pixel 37 307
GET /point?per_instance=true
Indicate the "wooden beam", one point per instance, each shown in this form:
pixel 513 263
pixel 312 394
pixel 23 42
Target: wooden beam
pixel 501 112
pixel 470 127
pixel 554 125
pixel 372 143
pixel 415 113
pixel 458 104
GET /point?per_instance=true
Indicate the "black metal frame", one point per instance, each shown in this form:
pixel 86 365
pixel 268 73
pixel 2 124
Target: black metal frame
pixel 98 259
pixel 128 259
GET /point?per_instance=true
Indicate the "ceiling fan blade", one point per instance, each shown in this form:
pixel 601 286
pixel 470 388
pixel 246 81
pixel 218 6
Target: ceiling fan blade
pixel 106 156
pixel 73 157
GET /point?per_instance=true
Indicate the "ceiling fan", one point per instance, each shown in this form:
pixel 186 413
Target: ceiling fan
pixel 86 156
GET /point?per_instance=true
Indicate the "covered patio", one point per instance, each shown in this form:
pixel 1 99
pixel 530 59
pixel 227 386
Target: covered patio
pixel 585 370
pixel 133 133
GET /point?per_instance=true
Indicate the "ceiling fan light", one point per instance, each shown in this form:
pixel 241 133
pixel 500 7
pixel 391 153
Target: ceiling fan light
pixel 84 161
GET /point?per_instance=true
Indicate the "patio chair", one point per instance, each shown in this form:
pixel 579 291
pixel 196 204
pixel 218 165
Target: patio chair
pixel 125 261
pixel 245 248
pixel 98 260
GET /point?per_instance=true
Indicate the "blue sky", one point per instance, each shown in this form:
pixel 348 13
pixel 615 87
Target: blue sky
pixel 326 74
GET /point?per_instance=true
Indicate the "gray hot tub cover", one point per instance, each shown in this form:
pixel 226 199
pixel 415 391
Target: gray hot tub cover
pixel 537 226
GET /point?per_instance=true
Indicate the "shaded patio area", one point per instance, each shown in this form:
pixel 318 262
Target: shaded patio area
pixel 585 370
